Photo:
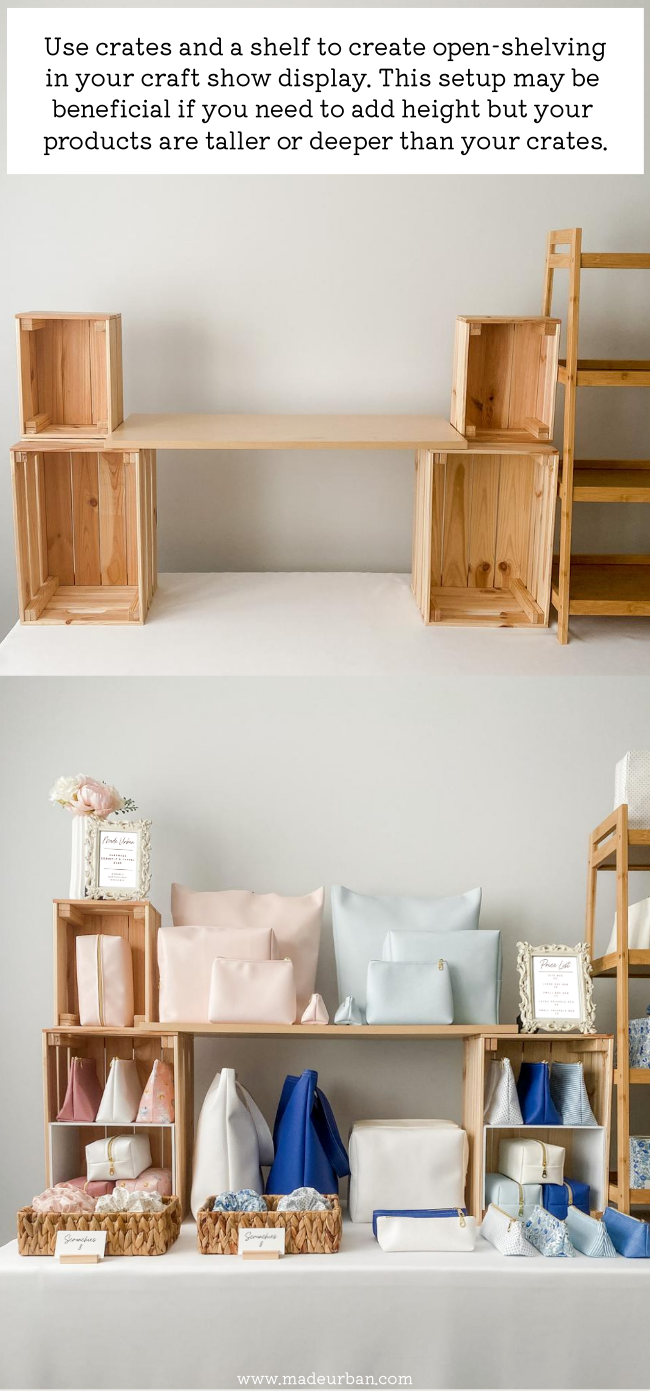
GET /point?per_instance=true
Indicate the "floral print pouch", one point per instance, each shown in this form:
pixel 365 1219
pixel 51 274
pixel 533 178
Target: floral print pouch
pixel 548 1234
pixel 157 1101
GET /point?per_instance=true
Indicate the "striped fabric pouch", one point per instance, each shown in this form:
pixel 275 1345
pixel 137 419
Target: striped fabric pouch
pixel 569 1094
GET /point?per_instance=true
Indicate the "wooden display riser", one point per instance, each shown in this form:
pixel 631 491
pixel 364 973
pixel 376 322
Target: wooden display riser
pixel 137 922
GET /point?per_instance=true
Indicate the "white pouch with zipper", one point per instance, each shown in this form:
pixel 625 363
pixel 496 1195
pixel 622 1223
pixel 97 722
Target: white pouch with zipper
pixel 120 1156
pixel 442 1230
pixel 531 1161
pixel 505 1233
pixel 121 1098
pixel 406 1164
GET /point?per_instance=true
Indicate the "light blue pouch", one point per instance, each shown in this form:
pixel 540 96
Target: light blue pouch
pixel 409 992
pixel 519 1200
pixel 589 1236
pixel 361 921
pixel 348 1012
pixel 474 961
pixel 548 1234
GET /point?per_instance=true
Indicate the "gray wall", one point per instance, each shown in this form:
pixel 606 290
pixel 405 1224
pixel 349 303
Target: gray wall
pixel 315 294
pixel 286 785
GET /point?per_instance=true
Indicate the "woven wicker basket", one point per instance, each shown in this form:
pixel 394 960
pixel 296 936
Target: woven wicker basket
pixel 307 1233
pixel 127 1233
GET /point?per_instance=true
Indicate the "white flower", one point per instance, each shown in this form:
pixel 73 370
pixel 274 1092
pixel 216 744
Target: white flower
pixel 64 789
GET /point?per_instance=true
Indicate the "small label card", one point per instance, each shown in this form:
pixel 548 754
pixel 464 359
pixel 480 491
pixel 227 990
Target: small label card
pixel 80 1248
pixel 557 987
pixel 261 1243
pixel 118 859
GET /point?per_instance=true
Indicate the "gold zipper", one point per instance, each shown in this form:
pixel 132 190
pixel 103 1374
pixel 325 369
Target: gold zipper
pixel 441 965
pixel 461 1215
pixel 570 1192
pixel 504 1214
pixel 544 1161
pixel 111 1161
pixel 521 1200
pixel 100 981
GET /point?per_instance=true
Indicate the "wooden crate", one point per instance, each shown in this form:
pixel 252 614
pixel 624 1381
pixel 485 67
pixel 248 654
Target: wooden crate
pixel 171 1145
pixel 137 922
pixel 483 536
pixel 85 527
pixel 587 1147
pixel 70 374
pixel 504 378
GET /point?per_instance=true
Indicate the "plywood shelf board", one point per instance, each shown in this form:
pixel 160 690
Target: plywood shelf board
pixel 286 432
pixel 611 480
pixel 340 1031
pixel 607 584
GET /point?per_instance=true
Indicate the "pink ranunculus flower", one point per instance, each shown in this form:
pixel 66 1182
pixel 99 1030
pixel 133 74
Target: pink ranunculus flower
pixel 95 799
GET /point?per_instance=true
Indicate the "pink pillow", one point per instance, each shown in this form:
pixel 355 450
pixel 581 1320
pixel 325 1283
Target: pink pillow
pixel 295 923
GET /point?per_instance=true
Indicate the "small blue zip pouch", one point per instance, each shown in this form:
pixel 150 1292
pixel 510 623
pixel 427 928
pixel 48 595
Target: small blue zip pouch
pixel 416 1212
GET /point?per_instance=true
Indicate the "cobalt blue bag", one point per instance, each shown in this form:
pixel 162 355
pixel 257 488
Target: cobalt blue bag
pixel 309 1152
pixel 534 1092
pixel 558 1197
pixel 629 1235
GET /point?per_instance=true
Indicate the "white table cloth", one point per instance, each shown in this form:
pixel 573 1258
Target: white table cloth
pixel 458 1321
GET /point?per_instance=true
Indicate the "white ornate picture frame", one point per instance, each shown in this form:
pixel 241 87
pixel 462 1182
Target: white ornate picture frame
pixel 117 859
pixel 555 989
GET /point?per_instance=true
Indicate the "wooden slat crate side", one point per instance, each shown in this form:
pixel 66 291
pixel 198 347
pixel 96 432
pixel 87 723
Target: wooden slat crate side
pixel 112 520
pixel 58 512
pixel 483 520
pixel 85 519
pixel 99 381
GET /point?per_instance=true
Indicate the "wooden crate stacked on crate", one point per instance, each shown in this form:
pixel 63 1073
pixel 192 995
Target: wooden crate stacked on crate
pixel 483 520
pixel 145 1040
pixel 587 1147
pixel 84 516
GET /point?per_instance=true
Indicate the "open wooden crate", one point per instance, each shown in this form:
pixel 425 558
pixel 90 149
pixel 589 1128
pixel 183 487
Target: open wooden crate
pixel 137 922
pixel 587 1147
pixel 504 378
pixel 483 536
pixel 70 374
pixel 65 1142
pixel 85 526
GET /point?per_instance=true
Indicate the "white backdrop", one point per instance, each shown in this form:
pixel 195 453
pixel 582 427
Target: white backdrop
pixel 389 787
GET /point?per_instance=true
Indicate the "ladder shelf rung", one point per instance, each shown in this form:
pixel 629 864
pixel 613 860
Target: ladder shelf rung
pixel 608 372
pixel 611 480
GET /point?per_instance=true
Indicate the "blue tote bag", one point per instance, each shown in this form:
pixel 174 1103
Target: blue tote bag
pixel 309 1152
pixel 534 1092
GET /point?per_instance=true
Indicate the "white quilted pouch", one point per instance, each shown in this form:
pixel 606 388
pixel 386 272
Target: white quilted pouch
pixel 505 1233
pixel 501 1100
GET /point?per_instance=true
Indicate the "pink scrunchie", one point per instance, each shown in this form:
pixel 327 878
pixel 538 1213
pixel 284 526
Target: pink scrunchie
pixel 64 1199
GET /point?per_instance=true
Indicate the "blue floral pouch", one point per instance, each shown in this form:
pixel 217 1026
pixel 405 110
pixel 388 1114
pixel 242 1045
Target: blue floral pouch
pixel 548 1234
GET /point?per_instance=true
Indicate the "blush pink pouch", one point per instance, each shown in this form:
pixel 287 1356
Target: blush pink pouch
pixel 96 1188
pixel 295 923
pixel 83 1092
pixel 252 992
pixel 149 1181
pixel 157 1101
pixel 105 981
pixel 185 956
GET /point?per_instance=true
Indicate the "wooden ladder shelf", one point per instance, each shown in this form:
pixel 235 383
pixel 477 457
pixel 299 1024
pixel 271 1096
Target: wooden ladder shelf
pixel 616 848
pixel 594 584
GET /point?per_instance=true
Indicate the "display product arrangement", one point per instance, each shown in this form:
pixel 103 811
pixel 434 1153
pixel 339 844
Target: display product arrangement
pixel 486 481
pixel 528 1168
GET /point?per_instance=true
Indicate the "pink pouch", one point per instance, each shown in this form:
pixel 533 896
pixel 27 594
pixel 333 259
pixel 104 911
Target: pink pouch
pixel 83 1092
pixel 316 1011
pixel 295 922
pixel 96 1188
pixel 105 981
pixel 157 1101
pixel 149 1181
pixel 252 992
pixel 185 956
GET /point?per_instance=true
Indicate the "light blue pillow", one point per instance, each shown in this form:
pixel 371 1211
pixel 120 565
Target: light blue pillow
pixel 361 922
pixel 474 961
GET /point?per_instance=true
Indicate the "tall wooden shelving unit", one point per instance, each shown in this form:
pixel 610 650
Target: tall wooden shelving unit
pixel 594 584
pixel 615 848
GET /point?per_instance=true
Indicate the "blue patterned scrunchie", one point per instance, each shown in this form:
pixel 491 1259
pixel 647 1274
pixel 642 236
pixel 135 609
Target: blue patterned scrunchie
pixel 245 1200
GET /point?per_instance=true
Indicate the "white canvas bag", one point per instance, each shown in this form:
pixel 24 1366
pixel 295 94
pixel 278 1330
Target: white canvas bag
pixel 406 1164
pixel 531 1161
pixel 119 1156
pixel 121 1098
pixel 402 1233
pixel 232 1141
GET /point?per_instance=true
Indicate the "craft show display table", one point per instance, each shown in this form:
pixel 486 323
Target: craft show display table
pixel 468 1321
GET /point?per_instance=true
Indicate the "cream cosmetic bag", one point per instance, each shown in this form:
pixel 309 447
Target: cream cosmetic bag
pixel 185 957
pixel 406 1164
pixel 105 981
pixel 397 1232
pixel 252 992
pixel 121 1156
pixel 232 1142
pixel 531 1161
pixel 122 1093
pixel 295 922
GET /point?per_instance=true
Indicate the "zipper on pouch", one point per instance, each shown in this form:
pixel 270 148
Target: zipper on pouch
pixel 100 982
pixel 504 1214
pixel 111 1160
pixel 544 1160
